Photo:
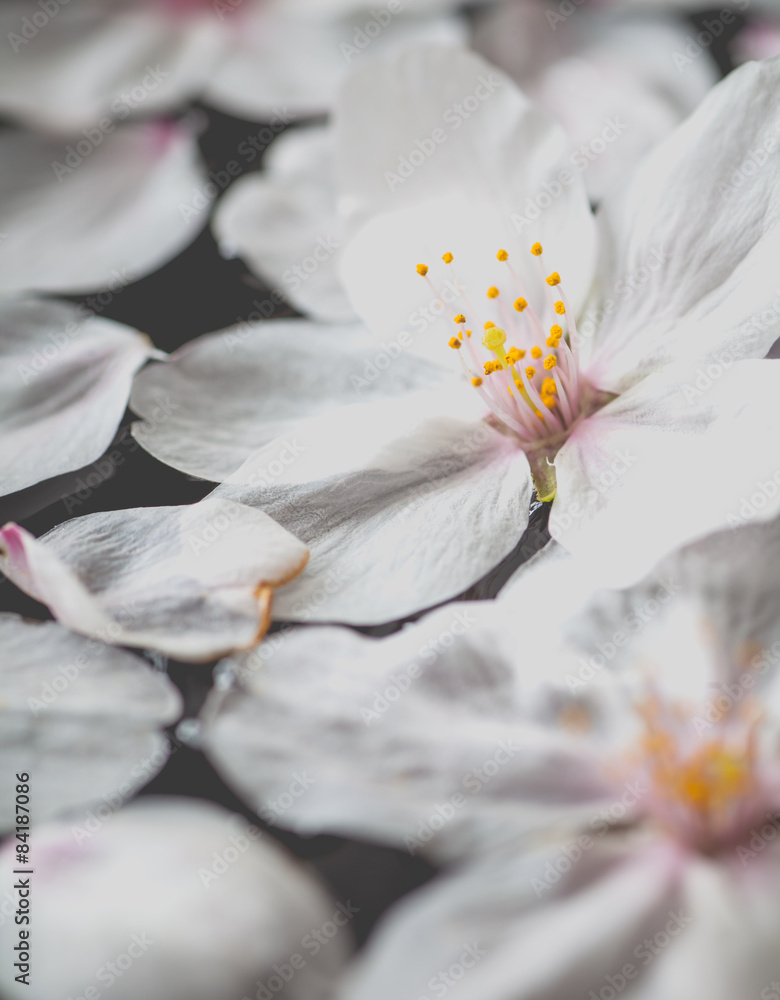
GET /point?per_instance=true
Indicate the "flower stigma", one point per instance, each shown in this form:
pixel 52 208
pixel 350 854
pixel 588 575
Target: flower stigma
pixel 525 367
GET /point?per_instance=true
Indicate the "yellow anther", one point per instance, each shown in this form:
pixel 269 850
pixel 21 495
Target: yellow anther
pixel 536 249
pixel 492 292
pixel 476 380
pixel 560 308
pixel 447 258
pixel 530 371
pixel 549 388
pixel 489 325
pixel 550 362
pixel 491 366
pixel 514 354
pixel 422 269
pixel 468 333
pixel 556 331
pixel 454 342
pixel 460 318
pixel 553 279
pixel 502 255
pixel 536 352
pixel 520 304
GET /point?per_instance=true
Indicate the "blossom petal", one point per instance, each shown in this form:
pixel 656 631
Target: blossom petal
pixel 193 582
pixel 64 384
pixel 181 897
pixel 82 718
pixel 420 739
pixel 283 222
pixel 284 60
pixel 76 222
pixel 683 281
pixel 95 61
pixel 404 503
pixel 695 450
pixel 218 399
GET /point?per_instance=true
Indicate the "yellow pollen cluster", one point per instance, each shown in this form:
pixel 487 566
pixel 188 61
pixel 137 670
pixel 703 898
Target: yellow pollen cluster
pixel 560 308
pixel 447 258
pixel 530 371
pixel 492 366
pixel 520 304
pixel 489 325
pixel 422 269
pixel 454 342
pixel 555 336
pixel 536 249
pixel 536 352
pixel 514 354
pixel 550 362
pixel 492 292
pixel 553 279
pixel 476 381
pixel 502 255
pixel 460 318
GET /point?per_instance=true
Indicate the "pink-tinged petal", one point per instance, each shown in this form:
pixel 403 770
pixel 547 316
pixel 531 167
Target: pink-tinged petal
pixel 424 739
pixel 403 502
pixel 691 243
pixel 525 924
pixel 80 717
pixel 193 582
pixel 293 62
pixel 219 398
pixel 683 454
pixel 182 899
pixel 100 218
pixel 284 223
pixel 65 380
pixel 98 61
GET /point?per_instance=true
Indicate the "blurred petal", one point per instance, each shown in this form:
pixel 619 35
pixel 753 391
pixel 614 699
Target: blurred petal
pixel 680 455
pixel 404 503
pixel 183 899
pixel 102 217
pixel 97 60
pixel 193 582
pixel 281 61
pixel 691 244
pixel 418 739
pixel 64 383
pixel 283 222
pixel 219 398
pixel 82 718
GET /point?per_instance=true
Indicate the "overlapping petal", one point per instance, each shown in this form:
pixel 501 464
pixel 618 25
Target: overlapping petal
pixel 82 717
pixel 193 582
pixel 65 379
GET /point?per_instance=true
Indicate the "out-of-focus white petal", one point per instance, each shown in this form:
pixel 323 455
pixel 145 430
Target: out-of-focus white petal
pixel 610 80
pixel 183 899
pixel 82 718
pixel 74 66
pixel 64 383
pixel 286 62
pixel 688 272
pixel 194 582
pixel 97 214
pixel 404 503
pixel 421 739
pixel 219 398
pixel 682 454
pixel 283 222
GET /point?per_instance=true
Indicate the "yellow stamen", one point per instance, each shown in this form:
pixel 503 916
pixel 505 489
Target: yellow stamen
pixel 492 292
pixel 491 366
pixel 553 279
pixel 489 325
pixel 550 362
pixel 560 308
pixel 476 380
pixel 502 255
pixel 422 270
pixel 536 352
pixel 530 371
pixel 454 342
pixel 514 354
pixel 447 258
pixel 536 249
pixel 549 388
pixel 520 304
pixel 468 333
pixel 460 318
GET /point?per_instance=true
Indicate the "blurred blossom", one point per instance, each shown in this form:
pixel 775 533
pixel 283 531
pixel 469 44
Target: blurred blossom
pixel 606 774
pixel 589 67
pixel 73 65
pixel 619 383
pixel 171 898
